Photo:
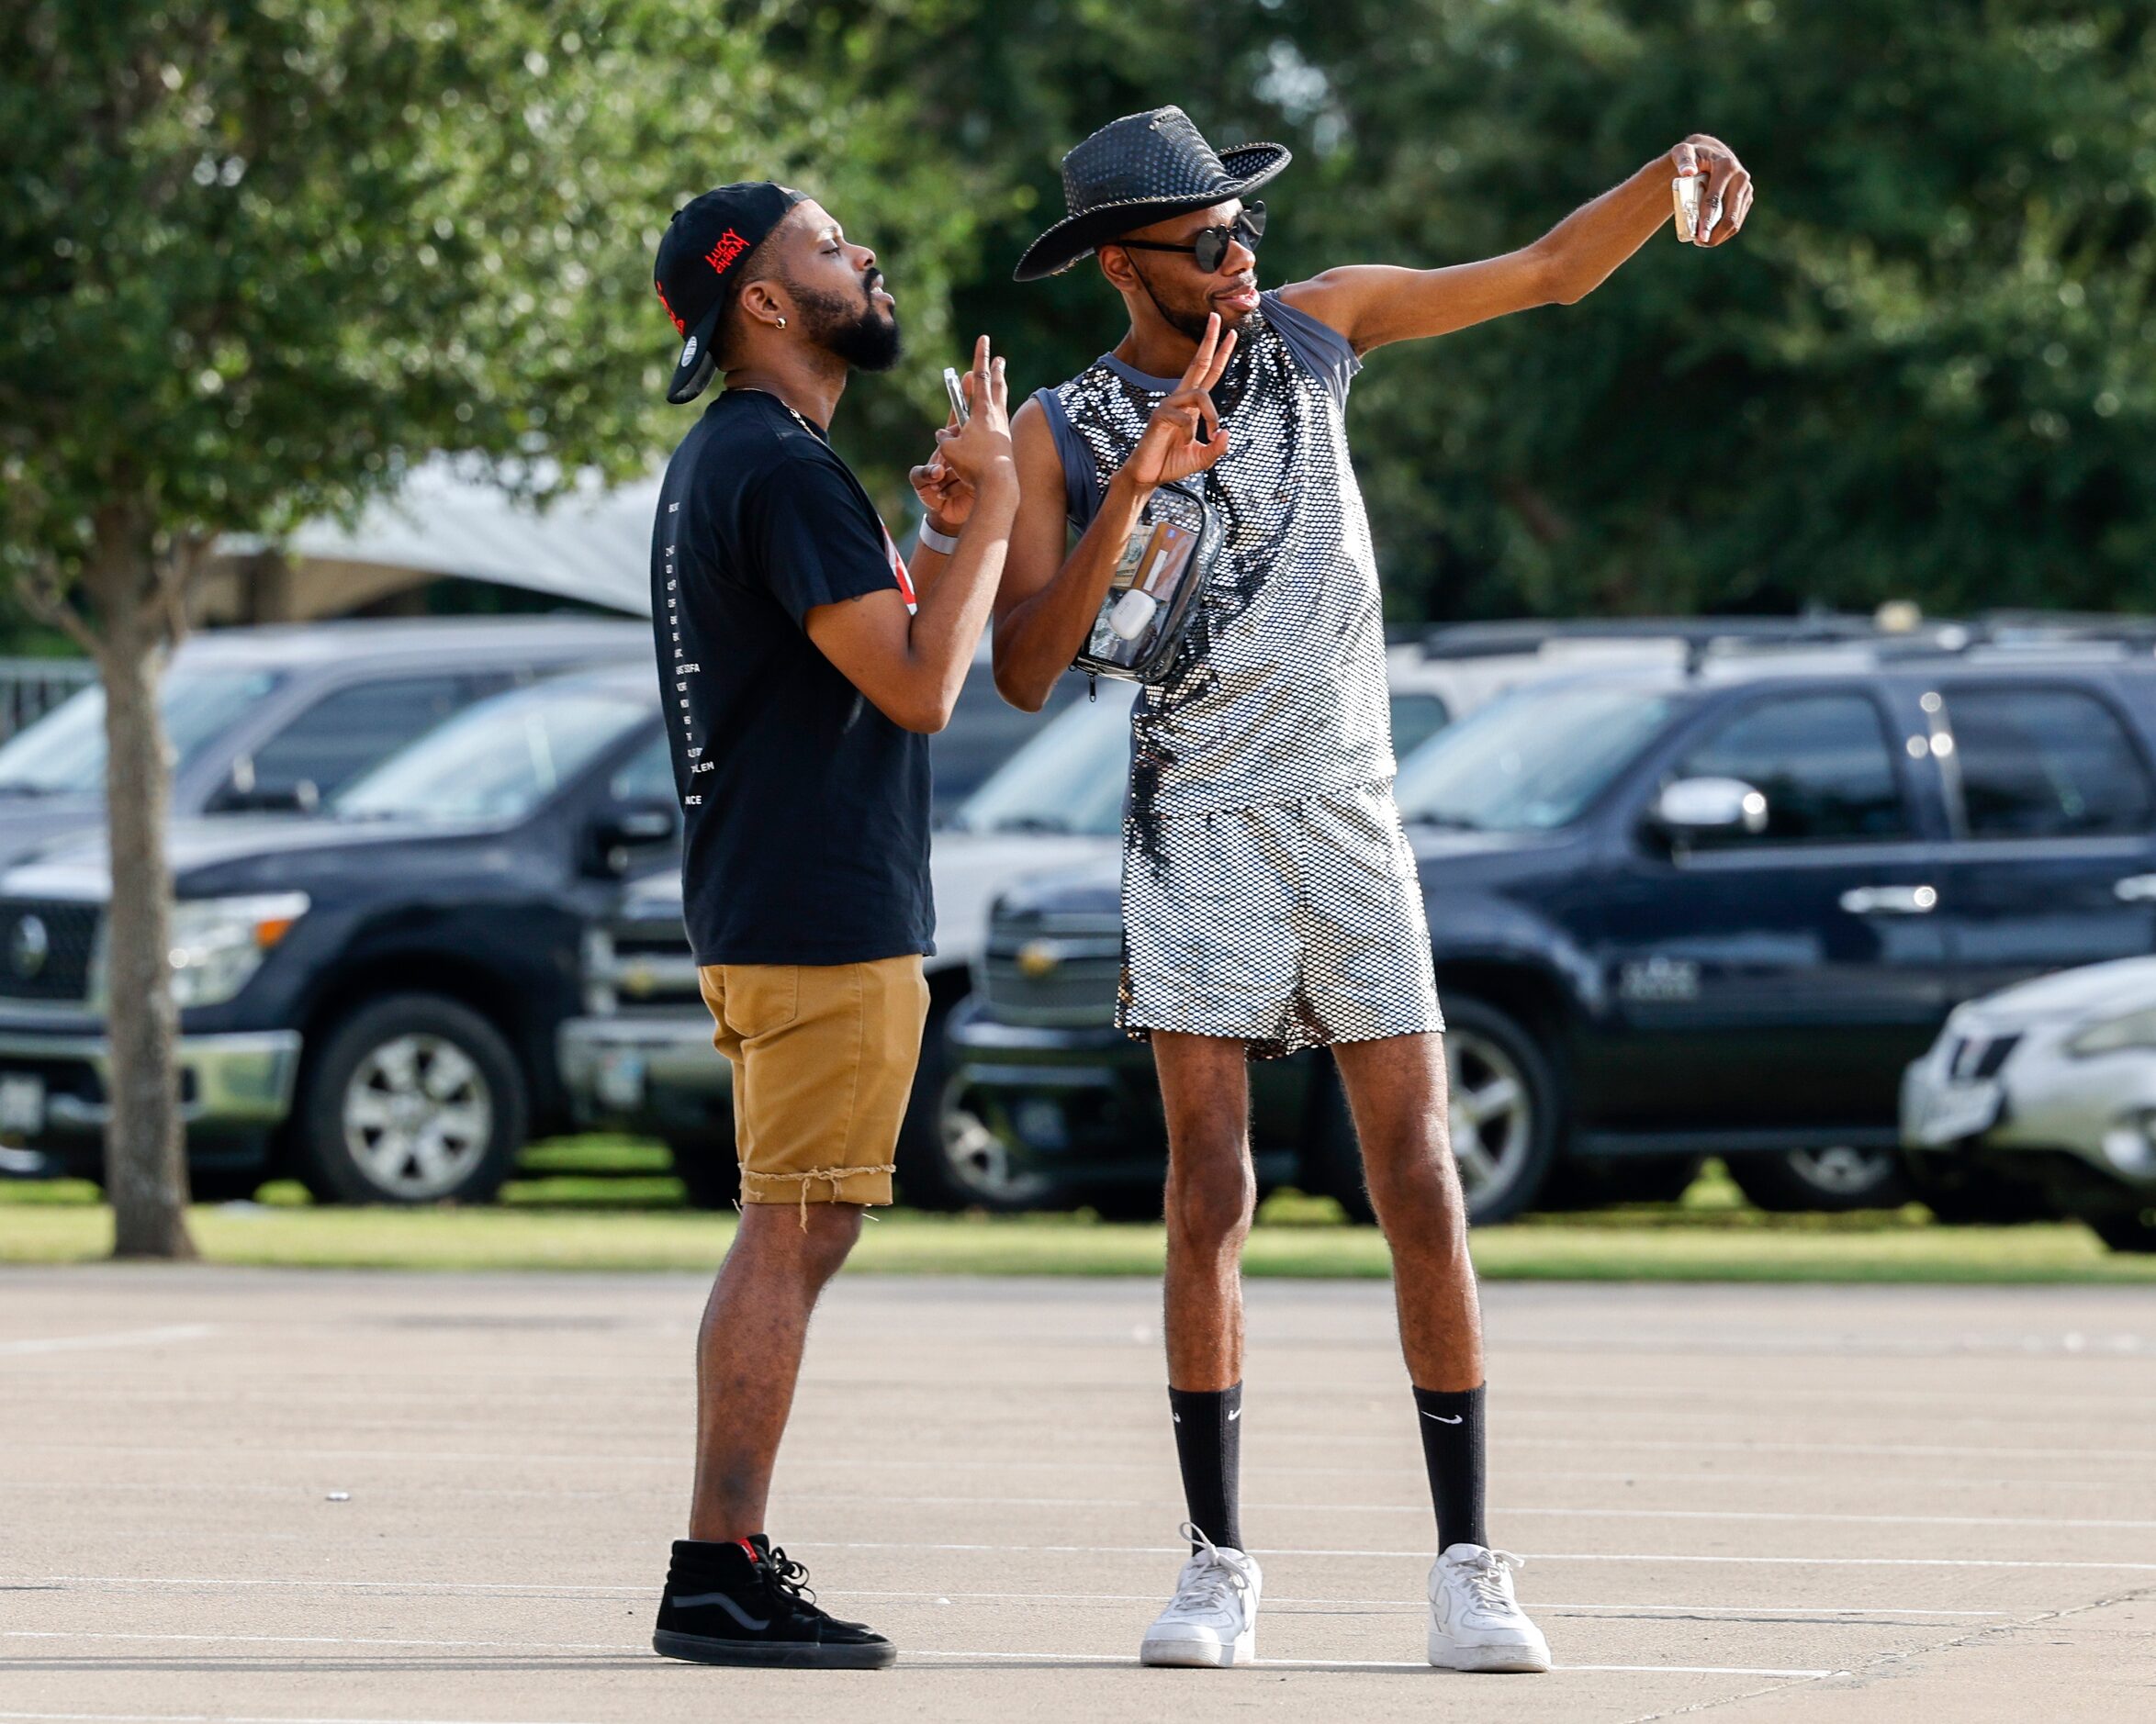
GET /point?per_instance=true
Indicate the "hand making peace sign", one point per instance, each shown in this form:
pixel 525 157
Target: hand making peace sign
pixel 1169 449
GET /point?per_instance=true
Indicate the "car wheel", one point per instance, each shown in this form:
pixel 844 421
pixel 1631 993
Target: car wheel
pixel 709 1169
pixel 1835 1180
pixel 1619 1179
pixel 1503 1113
pixel 976 1165
pixel 413 1099
pixel 2126 1229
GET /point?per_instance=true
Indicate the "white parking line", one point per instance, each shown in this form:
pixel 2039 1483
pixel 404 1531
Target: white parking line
pixel 492 1589
pixel 1110 1660
pixel 324 1640
pixel 1504 1442
pixel 1543 1556
pixel 2044 1522
pixel 117 1337
pixel 209 1718
pixel 1141 1506
pixel 1158 1468
pixel 1105 1660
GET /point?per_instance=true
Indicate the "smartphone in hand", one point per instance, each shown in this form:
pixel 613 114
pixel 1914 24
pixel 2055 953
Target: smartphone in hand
pixel 956 390
pixel 1685 193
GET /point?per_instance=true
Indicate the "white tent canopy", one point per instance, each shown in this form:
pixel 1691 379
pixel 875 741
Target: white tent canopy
pixel 591 543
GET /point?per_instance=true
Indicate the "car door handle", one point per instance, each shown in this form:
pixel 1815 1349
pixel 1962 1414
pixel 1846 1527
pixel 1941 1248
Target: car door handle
pixel 1890 901
pixel 2135 888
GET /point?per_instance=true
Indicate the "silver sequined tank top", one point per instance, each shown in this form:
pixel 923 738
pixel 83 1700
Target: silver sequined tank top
pixel 1277 690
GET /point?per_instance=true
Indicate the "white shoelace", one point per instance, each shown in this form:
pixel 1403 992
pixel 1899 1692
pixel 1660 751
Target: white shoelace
pixel 1487 1577
pixel 1210 1581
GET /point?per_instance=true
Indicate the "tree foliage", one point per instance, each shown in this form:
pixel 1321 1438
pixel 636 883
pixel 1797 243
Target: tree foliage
pixel 259 258
pixel 1926 369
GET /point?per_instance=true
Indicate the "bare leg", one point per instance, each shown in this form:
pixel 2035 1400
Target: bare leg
pixel 749 1355
pixel 1395 1089
pixel 1212 1196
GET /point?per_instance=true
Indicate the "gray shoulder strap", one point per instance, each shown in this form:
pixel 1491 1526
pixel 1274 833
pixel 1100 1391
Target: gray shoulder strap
pixel 1081 487
pixel 1320 349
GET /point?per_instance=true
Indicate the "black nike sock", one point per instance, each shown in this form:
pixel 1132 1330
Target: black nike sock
pixel 1451 1448
pixel 1208 1444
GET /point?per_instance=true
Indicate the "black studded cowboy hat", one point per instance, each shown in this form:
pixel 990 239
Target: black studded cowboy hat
pixel 1138 170
pixel 699 268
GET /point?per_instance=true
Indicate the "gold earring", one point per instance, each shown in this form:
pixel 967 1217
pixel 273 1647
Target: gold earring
pixel 782 322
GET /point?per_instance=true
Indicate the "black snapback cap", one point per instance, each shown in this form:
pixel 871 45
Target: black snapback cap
pixel 698 268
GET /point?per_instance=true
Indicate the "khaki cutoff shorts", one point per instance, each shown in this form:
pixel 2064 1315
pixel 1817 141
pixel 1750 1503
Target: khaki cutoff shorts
pixel 823 1058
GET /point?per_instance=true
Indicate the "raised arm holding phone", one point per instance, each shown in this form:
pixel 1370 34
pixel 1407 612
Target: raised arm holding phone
pixel 1271 901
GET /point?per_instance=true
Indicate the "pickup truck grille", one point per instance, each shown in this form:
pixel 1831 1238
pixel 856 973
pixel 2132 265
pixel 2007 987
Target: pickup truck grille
pixel 1067 974
pixel 652 966
pixel 45 947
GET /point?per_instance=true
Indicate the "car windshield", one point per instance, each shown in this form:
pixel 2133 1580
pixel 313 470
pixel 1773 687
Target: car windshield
pixel 66 749
pixel 1069 779
pixel 496 761
pixel 1530 761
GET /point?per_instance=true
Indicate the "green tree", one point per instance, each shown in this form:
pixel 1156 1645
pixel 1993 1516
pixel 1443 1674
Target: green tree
pixel 1926 370
pixel 259 257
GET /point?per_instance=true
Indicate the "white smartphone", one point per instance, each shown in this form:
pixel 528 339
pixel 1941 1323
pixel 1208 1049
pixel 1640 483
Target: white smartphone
pixel 957 391
pixel 1684 191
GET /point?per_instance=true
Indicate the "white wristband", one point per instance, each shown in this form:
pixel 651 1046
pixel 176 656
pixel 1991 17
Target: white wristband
pixel 933 540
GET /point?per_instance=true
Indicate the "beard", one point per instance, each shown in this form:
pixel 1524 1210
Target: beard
pixel 854 331
pixel 1186 320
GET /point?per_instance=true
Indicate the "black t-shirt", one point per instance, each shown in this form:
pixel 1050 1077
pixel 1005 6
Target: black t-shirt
pixel 805 810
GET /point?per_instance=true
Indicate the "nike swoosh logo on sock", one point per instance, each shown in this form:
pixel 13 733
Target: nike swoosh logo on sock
pixel 1234 1415
pixel 1460 1419
pixel 726 1604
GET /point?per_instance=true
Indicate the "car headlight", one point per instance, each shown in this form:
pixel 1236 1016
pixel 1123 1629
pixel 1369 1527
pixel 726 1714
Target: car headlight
pixel 2135 1029
pixel 218 943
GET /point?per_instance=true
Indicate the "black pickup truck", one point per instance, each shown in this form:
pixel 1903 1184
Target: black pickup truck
pixel 1714 910
pixel 369 998
pixel 279 718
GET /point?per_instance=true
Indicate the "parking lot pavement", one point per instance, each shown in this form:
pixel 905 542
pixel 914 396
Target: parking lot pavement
pixel 271 1496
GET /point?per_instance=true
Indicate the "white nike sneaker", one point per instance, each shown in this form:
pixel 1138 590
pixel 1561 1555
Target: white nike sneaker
pixel 1475 1621
pixel 1212 1621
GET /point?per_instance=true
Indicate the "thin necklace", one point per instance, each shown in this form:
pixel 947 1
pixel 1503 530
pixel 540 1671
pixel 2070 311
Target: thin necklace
pixel 772 395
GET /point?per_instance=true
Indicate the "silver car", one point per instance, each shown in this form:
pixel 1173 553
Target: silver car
pixel 2050 1087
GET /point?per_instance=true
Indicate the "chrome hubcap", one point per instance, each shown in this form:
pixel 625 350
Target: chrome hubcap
pixel 1489 1114
pixel 418 1115
pixel 979 1161
pixel 1843 1171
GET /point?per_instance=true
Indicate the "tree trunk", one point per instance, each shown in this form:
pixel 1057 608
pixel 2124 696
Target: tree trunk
pixel 145 1154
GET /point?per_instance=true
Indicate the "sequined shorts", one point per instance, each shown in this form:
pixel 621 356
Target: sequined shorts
pixel 1286 926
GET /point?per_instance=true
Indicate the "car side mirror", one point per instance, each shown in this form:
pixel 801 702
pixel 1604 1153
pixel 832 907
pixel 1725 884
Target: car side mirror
pixel 1691 810
pixel 620 830
pixel 243 793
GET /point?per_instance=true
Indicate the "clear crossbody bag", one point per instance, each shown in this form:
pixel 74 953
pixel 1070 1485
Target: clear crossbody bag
pixel 1155 594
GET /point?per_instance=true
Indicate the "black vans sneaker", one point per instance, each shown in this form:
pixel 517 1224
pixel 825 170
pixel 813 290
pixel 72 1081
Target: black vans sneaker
pixel 736 1604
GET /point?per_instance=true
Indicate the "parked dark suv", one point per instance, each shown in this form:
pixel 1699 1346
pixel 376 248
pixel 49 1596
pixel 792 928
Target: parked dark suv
pixel 283 717
pixel 1674 913
pixel 368 999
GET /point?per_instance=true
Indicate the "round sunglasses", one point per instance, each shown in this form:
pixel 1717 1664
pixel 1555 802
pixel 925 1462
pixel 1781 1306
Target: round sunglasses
pixel 1209 245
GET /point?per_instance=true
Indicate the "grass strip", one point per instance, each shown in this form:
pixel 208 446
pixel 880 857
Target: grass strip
pixel 906 1242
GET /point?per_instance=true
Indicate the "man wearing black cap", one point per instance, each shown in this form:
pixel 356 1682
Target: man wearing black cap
pixel 1270 899
pixel 800 665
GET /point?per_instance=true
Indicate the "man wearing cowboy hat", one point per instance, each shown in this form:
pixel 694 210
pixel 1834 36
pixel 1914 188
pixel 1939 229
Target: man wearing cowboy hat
pixel 1270 900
